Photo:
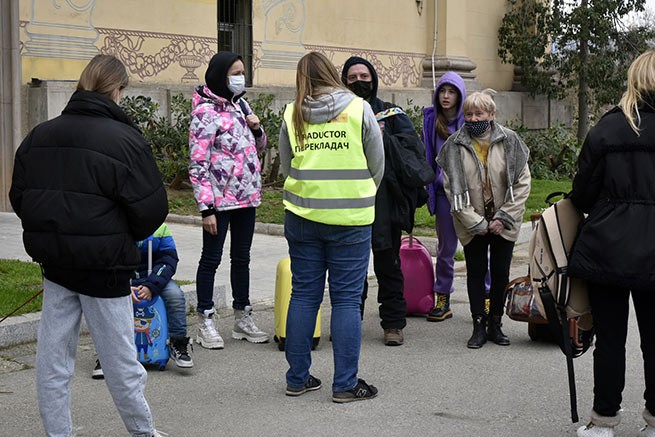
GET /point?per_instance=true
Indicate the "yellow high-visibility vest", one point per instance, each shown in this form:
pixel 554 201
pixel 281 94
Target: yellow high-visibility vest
pixel 329 181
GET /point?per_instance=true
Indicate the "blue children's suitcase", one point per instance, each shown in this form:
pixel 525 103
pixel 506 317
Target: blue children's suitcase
pixel 151 328
pixel 151 332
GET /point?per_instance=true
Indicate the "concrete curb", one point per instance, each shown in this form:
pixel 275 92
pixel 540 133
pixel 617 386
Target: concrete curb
pixel 24 328
pixel 278 230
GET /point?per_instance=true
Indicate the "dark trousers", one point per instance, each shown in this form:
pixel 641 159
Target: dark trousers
pixel 386 264
pixel 610 309
pixel 487 252
pixel 241 223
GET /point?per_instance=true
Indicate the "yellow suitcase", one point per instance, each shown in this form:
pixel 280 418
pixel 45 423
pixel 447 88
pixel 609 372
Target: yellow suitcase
pixel 282 298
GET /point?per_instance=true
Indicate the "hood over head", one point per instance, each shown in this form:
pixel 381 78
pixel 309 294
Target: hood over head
pixel 454 79
pixel 216 74
pixel 354 60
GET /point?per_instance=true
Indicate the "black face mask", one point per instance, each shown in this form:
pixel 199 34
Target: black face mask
pixel 361 89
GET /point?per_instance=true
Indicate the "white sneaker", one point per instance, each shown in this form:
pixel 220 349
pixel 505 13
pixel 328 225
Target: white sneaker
pixel 592 430
pixel 245 328
pixel 208 337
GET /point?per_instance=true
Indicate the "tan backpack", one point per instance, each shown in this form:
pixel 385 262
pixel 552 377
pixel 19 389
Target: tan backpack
pixel 562 301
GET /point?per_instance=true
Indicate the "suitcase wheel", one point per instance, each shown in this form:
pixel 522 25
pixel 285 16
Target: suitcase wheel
pixel 280 344
pixel 276 339
pixel 315 342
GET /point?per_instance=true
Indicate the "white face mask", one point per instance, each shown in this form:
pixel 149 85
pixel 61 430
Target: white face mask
pixel 236 84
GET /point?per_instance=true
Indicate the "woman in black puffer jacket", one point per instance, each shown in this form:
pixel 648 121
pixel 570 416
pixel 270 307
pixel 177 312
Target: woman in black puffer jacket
pixel 615 248
pixel 86 188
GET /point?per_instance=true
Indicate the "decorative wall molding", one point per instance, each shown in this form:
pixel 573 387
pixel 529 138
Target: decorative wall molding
pixel 189 51
pixel 393 68
pixel 61 29
pixel 132 47
pixel 284 22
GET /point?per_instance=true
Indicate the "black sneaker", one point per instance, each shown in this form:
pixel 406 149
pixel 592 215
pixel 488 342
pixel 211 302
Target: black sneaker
pixel 180 352
pixel 311 385
pixel 97 371
pixel 359 392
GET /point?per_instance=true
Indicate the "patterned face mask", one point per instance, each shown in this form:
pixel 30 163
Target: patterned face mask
pixel 477 128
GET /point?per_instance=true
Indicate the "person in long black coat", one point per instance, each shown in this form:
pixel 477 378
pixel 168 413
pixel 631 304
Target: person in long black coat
pixel 402 191
pixel 615 248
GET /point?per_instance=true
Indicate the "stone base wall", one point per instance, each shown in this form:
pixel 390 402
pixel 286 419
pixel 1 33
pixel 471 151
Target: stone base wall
pixel 45 100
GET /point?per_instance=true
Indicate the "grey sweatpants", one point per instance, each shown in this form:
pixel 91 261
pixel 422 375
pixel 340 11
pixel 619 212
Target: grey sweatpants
pixel 110 323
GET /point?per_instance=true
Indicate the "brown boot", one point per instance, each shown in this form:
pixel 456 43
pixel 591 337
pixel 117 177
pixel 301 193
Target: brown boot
pixel 393 337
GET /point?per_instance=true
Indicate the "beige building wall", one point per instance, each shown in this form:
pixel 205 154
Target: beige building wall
pixel 173 42
pixel 396 35
pixel 169 43
pixel 483 21
pixel 390 33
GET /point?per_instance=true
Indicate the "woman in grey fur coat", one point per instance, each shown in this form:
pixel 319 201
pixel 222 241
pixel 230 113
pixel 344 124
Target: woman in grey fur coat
pixel 487 181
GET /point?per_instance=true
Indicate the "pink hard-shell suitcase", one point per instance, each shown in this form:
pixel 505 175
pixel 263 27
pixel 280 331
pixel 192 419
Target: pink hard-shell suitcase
pixel 418 271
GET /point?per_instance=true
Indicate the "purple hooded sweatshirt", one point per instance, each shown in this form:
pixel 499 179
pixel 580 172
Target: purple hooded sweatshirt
pixel 433 142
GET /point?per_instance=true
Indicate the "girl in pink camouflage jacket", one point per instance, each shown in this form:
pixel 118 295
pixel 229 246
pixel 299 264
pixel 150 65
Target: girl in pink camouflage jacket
pixel 224 139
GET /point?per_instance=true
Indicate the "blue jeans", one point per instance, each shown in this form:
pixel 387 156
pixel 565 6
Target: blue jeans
pixel 315 249
pixel 175 304
pixel 241 223
pixel 111 324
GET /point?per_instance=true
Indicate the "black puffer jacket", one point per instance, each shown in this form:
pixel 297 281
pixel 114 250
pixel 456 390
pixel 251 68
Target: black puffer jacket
pixel 86 188
pixel 615 185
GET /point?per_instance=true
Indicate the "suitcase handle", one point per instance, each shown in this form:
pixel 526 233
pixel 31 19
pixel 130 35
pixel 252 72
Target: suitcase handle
pixel 411 238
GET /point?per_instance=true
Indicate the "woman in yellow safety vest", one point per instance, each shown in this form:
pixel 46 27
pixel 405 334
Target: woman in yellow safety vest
pixel 332 156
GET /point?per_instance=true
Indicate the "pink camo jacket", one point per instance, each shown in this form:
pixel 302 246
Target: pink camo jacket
pixel 224 169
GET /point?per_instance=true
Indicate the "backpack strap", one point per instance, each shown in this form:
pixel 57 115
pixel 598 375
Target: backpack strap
pixel 243 107
pixel 389 112
pixel 556 311
pixel 562 332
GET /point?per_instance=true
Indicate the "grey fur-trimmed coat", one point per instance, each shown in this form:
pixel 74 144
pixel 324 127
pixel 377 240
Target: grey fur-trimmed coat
pixel 509 175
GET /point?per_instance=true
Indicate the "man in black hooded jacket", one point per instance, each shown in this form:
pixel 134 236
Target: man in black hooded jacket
pixel 400 193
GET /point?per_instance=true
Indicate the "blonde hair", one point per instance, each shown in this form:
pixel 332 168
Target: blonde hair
pixel 480 100
pixel 104 74
pixel 314 71
pixel 641 81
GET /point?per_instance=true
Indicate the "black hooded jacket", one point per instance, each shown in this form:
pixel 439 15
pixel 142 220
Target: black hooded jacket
pixel 86 188
pixel 615 185
pixel 406 171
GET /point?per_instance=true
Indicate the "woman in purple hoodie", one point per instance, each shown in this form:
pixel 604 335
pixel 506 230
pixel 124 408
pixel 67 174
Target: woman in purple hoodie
pixel 439 122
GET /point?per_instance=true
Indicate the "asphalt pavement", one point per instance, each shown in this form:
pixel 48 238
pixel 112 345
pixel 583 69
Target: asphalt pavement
pixel 432 385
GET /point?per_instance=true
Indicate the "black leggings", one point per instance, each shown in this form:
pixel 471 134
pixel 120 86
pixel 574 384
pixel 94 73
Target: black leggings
pixel 498 261
pixel 610 308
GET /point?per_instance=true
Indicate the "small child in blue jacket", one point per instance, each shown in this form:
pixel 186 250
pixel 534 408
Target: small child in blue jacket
pixel 160 282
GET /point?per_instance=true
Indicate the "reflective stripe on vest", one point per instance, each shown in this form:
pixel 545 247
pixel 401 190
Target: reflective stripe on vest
pixel 329 181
